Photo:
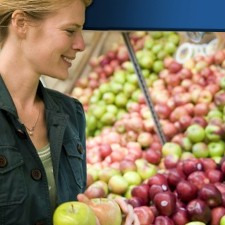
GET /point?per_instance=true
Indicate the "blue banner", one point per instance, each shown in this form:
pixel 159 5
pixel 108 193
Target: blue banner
pixel 177 15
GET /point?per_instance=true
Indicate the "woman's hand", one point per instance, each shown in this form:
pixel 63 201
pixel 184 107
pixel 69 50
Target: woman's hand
pixel 129 216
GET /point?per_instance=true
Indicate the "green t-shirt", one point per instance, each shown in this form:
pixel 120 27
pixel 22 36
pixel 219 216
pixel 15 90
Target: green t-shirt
pixel 45 156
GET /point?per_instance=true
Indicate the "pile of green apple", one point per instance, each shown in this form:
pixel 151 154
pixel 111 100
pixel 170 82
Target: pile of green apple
pixel 113 98
pixel 111 182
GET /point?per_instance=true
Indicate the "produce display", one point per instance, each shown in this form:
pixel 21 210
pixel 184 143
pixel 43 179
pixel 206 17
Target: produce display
pixel 181 182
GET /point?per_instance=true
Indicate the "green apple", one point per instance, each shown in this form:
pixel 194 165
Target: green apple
pixel 99 111
pixel 112 108
pixel 146 170
pixel 200 150
pixel 128 66
pixel 146 73
pixel 108 97
pixel 104 88
pixel 106 173
pixel 213 132
pixel 91 122
pixel 149 43
pixel 174 38
pixel 146 61
pixel 120 76
pixel 156 34
pixel 171 148
pixel 187 155
pixel 217 159
pixel 121 100
pixel 216 148
pixel 108 118
pixel 157 48
pixel 118 184
pixel 195 223
pixel 170 48
pixel 115 87
pixel 186 144
pixel 101 184
pixel 74 213
pixel 158 66
pixel 222 221
pixel 129 88
pixel 195 133
pixel 93 172
pixel 222 82
pixel 132 78
pixel 132 177
pixel 128 194
pixel 215 113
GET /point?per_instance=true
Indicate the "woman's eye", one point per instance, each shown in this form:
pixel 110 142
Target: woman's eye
pixel 70 31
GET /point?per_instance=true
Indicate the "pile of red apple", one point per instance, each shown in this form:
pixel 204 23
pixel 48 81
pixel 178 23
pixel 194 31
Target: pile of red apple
pixel 191 190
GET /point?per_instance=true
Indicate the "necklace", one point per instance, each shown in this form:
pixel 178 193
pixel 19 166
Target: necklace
pixel 31 131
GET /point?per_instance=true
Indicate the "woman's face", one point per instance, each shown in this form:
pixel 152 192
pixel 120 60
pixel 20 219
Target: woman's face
pixel 50 46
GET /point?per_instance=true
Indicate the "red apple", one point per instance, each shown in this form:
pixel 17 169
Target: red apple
pixel 191 165
pixel 186 191
pixel 180 217
pixel 105 150
pixel 142 192
pixel 215 176
pixel 156 188
pixel 199 211
pixel 211 195
pixel 174 177
pixel 153 156
pixel 165 203
pixel 198 178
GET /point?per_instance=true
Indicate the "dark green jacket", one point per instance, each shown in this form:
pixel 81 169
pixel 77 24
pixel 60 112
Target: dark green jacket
pixel 24 195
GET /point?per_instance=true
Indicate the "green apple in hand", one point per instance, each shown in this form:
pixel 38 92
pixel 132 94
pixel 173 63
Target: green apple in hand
pixel 74 213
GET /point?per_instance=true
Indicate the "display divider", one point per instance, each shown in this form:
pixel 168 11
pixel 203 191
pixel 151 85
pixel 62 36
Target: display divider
pixel 144 88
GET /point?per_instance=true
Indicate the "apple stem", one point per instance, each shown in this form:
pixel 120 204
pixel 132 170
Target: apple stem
pixel 73 208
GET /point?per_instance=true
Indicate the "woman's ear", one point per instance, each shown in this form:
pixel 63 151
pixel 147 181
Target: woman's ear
pixel 19 23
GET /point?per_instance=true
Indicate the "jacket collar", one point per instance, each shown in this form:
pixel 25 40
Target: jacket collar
pixel 7 104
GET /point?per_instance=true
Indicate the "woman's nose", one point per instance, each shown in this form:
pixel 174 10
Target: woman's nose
pixel 78 43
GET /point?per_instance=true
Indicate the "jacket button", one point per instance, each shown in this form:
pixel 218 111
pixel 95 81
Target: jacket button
pixel 36 174
pixel 79 148
pixel 3 161
pixel 21 134
pixel 40 223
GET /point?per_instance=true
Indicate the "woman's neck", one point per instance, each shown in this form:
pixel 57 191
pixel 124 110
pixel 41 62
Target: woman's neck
pixel 21 82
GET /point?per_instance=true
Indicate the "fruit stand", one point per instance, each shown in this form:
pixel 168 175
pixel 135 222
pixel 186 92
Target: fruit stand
pixel 155 107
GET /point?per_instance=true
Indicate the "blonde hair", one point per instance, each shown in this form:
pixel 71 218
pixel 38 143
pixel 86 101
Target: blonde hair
pixel 35 9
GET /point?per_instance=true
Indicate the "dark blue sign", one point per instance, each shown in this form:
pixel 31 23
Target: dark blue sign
pixel 166 15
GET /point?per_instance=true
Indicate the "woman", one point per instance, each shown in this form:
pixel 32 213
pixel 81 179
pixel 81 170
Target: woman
pixel 42 132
